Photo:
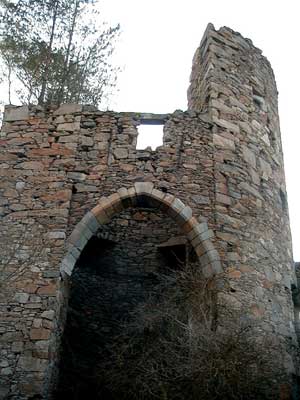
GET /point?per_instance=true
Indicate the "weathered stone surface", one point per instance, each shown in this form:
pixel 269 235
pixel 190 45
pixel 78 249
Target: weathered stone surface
pixel 57 235
pixel 16 113
pixel 49 314
pixel 120 153
pixel 21 297
pixel 34 165
pixel 68 109
pixel 223 142
pixel 226 124
pixel 32 364
pixel 39 334
pixel 68 127
pixel 249 156
pixel 71 175
pixel 250 189
pixel 20 186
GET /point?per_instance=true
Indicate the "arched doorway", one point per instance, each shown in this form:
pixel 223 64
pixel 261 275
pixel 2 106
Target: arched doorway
pixel 123 247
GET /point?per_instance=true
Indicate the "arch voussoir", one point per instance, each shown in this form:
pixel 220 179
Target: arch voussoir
pixel 175 207
pixel 158 195
pixel 132 196
pixel 184 215
pixel 143 188
pixel 115 203
pixel 100 214
pixel 91 222
pixel 166 202
pixel 197 233
pixel 125 197
pixel 197 229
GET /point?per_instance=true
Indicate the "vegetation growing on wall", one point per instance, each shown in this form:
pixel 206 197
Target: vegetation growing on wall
pixel 173 349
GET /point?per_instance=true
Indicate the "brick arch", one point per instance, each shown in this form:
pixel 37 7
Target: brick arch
pixel 144 194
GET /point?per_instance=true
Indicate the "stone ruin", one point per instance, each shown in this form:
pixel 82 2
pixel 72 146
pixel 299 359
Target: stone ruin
pixel 81 207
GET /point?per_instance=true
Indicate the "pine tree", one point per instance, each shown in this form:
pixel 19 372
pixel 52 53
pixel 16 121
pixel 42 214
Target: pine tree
pixel 56 50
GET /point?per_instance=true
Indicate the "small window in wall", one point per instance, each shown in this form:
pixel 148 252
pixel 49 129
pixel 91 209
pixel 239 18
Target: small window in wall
pixel 150 135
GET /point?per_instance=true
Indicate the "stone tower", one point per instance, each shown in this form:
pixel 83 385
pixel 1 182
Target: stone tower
pixel 72 181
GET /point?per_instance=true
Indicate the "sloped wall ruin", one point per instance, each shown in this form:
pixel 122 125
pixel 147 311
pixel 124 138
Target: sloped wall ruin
pixel 218 179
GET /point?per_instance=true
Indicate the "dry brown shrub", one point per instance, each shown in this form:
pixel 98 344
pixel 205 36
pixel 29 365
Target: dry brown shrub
pixel 173 348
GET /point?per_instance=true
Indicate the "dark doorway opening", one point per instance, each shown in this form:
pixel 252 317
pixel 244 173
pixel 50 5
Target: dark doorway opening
pixel 116 272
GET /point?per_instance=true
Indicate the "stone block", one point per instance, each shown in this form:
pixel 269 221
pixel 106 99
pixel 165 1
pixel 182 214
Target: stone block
pixel 223 142
pixel 250 189
pixel 86 141
pixel 48 314
pixel 199 249
pixel 185 215
pixel 196 241
pixel 207 271
pixel 177 205
pixel 132 196
pixel 123 193
pixel 39 334
pixel 213 255
pixel 204 260
pixel 32 364
pixel 69 127
pixel 77 176
pixel 84 229
pixel 265 169
pixel 49 290
pixel 197 230
pixel 113 200
pixel 143 187
pixel 17 347
pixel 68 264
pixel 50 274
pixel 6 371
pixel 227 125
pixel 216 266
pixel 91 222
pixel 20 186
pixel 21 297
pixel 189 225
pixel 100 214
pixel 16 114
pixel 56 235
pixel 35 165
pixel 223 199
pixel 78 239
pixel 249 156
pixel 166 202
pixel 158 195
pixel 68 109
pixel 120 153
pixel 107 206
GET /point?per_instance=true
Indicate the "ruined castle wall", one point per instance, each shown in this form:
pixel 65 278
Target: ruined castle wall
pixel 56 165
pixel 222 157
pixel 235 83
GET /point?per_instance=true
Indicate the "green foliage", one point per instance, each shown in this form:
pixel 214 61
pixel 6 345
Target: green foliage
pixel 56 50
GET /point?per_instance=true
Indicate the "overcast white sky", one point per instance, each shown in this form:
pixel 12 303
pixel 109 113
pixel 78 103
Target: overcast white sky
pixel 157 44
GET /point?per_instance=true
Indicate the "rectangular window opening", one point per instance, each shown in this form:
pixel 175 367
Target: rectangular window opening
pixel 150 135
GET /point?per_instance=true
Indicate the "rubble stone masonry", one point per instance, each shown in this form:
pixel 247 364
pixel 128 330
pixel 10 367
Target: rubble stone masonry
pixel 67 171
